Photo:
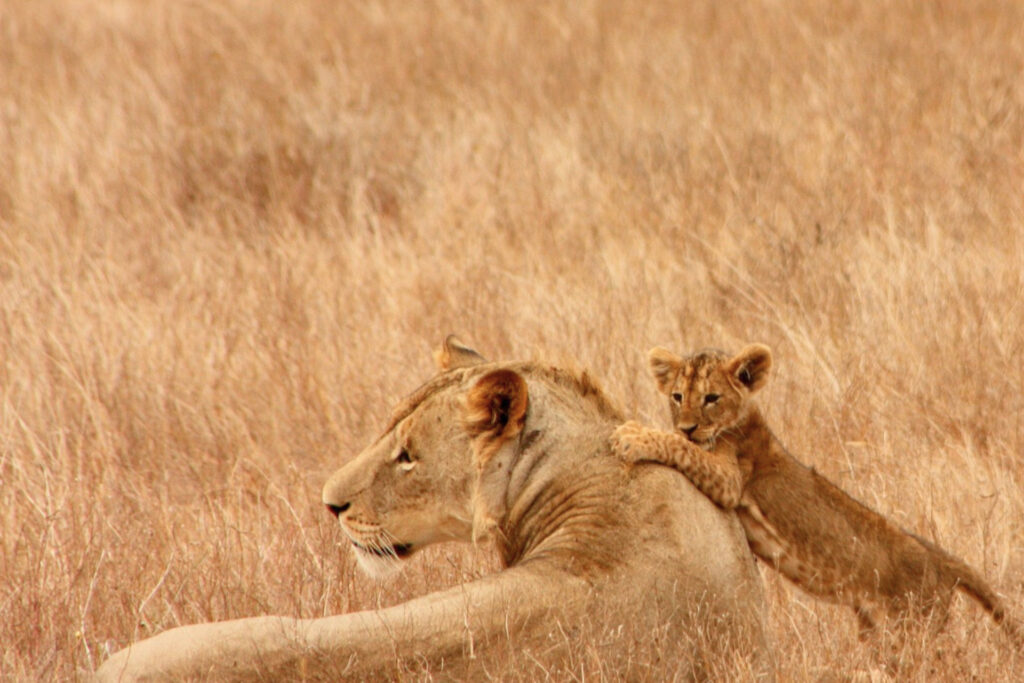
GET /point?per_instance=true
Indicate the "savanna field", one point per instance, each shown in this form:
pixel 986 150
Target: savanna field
pixel 232 232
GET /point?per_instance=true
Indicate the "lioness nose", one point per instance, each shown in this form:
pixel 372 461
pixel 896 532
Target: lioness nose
pixel 338 509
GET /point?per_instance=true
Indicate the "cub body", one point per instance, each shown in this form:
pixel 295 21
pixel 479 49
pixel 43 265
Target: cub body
pixel 816 535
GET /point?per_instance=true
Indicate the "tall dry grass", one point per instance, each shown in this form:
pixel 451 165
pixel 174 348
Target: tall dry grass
pixel 230 232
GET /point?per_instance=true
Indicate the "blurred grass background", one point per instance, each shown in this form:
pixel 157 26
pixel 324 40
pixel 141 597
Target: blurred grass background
pixel 230 233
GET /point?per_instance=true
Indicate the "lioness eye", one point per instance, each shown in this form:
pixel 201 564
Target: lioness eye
pixel 677 397
pixel 711 398
pixel 404 457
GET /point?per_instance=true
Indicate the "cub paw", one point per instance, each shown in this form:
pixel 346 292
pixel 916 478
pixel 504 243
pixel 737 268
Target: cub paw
pixel 627 441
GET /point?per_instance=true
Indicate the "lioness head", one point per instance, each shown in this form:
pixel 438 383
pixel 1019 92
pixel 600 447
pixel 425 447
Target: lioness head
pixel 415 485
pixel 709 390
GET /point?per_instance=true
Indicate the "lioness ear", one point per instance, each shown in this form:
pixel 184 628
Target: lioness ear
pixel 750 366
pixel 495 414
pixel 454 354
pixel 496 406
pixel 664 365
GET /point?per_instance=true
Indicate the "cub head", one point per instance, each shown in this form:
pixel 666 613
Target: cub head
pixel 709 391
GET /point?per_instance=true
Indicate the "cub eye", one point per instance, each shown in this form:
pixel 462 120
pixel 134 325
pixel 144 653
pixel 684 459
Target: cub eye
pixel 711 398
pixel 677 397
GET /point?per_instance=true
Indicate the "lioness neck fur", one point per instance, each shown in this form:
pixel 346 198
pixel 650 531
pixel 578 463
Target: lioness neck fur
pixel 816 535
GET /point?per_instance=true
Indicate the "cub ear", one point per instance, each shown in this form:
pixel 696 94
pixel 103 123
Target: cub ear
pixel 454 354
pixel 664 366
pixel 496 406
pixel 750 366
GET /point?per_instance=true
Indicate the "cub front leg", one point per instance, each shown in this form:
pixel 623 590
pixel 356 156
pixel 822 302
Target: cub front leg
pixel 715 473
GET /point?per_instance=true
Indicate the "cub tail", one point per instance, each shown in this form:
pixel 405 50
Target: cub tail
pixel 971 583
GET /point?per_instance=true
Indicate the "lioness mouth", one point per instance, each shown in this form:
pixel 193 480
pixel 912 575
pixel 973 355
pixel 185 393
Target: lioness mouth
pixel 399 550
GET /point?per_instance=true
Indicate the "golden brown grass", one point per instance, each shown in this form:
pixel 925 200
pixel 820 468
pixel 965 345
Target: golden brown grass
pixel 230 232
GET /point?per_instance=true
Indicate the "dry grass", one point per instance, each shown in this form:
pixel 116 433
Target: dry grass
pixel 231 232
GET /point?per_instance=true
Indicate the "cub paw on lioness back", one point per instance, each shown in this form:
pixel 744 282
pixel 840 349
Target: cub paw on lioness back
pixel 816 535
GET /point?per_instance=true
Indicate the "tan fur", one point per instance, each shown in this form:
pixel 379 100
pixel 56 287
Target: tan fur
pixel 800 523
pixel 517 452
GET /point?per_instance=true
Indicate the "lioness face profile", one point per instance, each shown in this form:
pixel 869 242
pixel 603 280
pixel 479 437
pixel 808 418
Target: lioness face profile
pixel 409 489
pixel 709 391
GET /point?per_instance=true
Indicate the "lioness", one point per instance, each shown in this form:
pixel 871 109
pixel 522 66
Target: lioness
pixel 800 523
pixel 518 452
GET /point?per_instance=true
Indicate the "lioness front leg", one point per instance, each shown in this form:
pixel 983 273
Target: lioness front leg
pixel 716 473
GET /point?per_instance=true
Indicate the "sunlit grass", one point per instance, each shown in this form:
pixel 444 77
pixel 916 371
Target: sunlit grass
pixel 231 232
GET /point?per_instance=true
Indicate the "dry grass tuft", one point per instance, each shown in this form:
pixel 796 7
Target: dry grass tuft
pixel 231 231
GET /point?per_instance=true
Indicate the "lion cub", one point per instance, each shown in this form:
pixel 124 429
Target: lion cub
pixel 807 528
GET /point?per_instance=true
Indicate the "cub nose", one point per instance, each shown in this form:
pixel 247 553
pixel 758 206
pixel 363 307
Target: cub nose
pixel 338 509
pixel 688 430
